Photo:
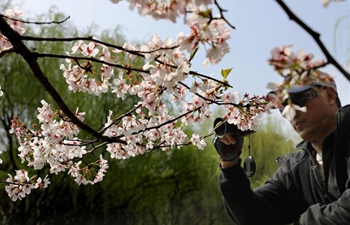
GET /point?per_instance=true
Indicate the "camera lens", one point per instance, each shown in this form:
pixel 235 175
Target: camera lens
pixel 220 127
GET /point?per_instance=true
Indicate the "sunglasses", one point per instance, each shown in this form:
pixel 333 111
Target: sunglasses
pixel 301 99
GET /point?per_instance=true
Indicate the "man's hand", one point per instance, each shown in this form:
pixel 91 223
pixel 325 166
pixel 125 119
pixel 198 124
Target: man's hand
pixel 228 139
pixel 228 148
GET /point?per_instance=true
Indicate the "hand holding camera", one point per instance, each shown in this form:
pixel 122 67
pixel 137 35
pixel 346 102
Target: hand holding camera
pixel 228 142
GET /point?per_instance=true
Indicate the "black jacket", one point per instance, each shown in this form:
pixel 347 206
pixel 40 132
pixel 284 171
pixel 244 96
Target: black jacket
pixel 296 193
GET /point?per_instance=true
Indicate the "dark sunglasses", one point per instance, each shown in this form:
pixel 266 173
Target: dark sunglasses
pixel 300 99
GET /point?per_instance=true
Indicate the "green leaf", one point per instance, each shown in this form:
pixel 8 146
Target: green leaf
pixel 225 72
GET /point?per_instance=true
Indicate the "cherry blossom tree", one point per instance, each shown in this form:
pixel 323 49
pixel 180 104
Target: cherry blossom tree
pixel 95 67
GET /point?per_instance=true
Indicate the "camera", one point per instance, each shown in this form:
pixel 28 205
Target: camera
pixel 222 127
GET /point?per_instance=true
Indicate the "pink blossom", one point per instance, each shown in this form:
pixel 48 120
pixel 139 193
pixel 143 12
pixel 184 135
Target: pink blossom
pixel 90 49
pixel 197 141
pixel 289 111
pixel 229 97
pixel 45 113
pixel 42 183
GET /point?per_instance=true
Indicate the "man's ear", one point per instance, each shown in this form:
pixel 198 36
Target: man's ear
pixel 331 95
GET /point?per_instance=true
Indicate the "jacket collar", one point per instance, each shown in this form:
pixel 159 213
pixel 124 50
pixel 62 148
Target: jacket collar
pixel 328 144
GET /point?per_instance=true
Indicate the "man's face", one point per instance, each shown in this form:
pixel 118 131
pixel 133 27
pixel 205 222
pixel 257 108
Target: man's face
pixel 318 120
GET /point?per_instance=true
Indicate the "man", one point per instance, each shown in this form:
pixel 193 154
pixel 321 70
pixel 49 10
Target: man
pixel 312 186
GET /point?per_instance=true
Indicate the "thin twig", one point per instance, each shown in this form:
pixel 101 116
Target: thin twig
pixel 199 95
pixel 77 58
pixel 210 78
pixel 221 10
pixel 96 147
pixel 37 23
pixel 120 117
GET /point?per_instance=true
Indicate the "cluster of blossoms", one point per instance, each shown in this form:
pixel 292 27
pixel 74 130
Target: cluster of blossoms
pixel 20 185
pixel 140 134
pixel 53 143
pixel 88 175
pixel 77 76
pixel 56 144
pixel 297 69
pixel 205 28
pixel 246 117
pixel 286 62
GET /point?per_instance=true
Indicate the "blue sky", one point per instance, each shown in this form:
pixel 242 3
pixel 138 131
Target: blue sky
pixel 260 25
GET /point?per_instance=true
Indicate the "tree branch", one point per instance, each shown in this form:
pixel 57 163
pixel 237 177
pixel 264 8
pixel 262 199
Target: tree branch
pixel 138 53
pixel 77 58
pixel 315 36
